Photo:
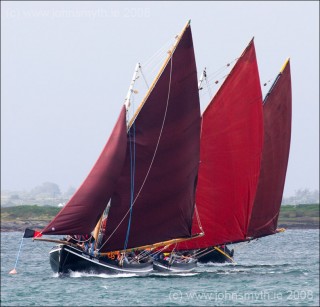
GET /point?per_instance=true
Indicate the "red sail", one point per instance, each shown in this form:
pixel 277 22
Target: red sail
pixel 231 146
pixel 81 214
pixel 277 135
pixel 166 139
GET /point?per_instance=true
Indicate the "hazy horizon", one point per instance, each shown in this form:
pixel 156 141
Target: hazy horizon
pixel 67 189
pixel 66 69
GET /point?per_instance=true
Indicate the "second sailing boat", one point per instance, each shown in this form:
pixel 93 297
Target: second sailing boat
pixel 147 170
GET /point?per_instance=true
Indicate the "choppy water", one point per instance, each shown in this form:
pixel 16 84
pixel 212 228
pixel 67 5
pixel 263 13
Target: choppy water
pixel 279 270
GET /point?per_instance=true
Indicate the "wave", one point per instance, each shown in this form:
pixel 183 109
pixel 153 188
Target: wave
pixel 162 274
pixel 101 275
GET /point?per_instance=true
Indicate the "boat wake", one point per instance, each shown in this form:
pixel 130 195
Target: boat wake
pixel 222 270
pixel 215 264
pixel 174 274
pixel 264 265
pixel 124 275
pixel 102 275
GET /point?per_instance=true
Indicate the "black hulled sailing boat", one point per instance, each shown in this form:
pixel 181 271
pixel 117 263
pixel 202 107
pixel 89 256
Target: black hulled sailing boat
pixel 230 155
pixel 263 219
pixel 147 170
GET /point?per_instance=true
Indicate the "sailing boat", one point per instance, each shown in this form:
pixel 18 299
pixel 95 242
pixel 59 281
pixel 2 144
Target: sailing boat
pixel 230 155
pixel 277 109
pixel 147 170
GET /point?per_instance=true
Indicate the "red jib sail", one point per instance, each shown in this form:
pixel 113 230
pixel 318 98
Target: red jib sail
pixel 165 138
pixel 81 214
pixel 230 154
pixel 277 134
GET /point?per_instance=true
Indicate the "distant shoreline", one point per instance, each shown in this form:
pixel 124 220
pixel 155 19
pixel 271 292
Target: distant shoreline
pixel 299 226
pixel 20 226
pixel 18 218
pixel 9 226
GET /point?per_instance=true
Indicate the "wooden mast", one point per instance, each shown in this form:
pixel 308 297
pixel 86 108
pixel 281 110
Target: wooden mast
pixel 277 78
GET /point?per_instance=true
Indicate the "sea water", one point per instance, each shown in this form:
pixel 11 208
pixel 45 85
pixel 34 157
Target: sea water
pixel 279 270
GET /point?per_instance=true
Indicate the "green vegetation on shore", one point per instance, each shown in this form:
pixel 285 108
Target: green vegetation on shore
pixel 19 218
pixel 291 216
pixel 299 216
pixel 302 210
pixel 27 212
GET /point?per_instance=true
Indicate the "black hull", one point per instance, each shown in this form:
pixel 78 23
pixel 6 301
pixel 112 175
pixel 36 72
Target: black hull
pixel 212 255
pixel 175 267
pixel 64 259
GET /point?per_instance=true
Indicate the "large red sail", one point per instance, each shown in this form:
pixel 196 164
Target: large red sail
pixel 277 134
pixel 166 140
pixel 231 146
pixel 81 214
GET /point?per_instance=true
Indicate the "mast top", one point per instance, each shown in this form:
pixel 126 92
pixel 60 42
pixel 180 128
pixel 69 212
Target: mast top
pixel 284 65
pixel 170 53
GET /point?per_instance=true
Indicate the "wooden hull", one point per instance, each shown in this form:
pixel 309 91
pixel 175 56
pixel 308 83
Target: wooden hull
pixel 64 259
pixel 175 267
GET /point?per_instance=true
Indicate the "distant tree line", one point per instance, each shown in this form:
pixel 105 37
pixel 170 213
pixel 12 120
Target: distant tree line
pixel 302 196
pixel 49 190
pixel 46 189
pixel 48 193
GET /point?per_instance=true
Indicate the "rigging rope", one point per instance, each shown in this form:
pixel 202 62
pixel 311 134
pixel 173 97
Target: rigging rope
pixel 15 266
pixel 208 88
pixel 160 51
pixel 79 240
pixel 214 78
pixel 220 70
pixel 146 253
pixel 132 172
pixel 152 160
pixel 144 78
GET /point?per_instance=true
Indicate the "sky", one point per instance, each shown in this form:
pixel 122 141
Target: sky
pixel 66 68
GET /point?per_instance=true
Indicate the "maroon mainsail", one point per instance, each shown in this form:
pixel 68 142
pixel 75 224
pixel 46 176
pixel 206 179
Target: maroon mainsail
pixel 151 168
pixel 230 154
pixel 277 134
pixel 81 214
pixel 166 140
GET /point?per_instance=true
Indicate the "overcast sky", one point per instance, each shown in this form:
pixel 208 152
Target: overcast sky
pixel 66 69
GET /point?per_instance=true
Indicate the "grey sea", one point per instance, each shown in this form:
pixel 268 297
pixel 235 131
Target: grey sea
pixel 279 270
